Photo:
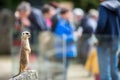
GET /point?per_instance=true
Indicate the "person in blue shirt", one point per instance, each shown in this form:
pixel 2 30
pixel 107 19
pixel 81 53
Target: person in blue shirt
pixel 65 31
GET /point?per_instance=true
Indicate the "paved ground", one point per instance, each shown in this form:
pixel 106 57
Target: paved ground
pixel 75 72
pixel 5 68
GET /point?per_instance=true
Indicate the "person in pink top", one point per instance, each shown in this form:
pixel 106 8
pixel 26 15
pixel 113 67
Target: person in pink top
pixel 48 13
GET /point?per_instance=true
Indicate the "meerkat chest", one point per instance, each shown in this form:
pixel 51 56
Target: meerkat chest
pixel 26 45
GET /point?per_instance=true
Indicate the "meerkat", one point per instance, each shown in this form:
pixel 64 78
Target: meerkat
pixel 24 52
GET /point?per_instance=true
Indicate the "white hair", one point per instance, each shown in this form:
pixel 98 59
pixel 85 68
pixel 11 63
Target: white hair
pixel 24 6
pixel 93 12
pixel 78 11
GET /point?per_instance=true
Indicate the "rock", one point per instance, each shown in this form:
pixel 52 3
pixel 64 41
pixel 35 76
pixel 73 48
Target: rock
pixel 27 75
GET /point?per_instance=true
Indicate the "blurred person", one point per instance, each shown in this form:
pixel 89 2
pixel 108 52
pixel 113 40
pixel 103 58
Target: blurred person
pixel 78 16
pixel 108 33
pixel 93 18
pixel 92 23
pixel 56 16
pixel 31 19
pixel 92 61
pixel 89 24
pixel 65 29
pixel 48 14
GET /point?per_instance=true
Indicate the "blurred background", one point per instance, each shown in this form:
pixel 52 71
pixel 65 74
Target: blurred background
pixel 84 4
pixel 45 44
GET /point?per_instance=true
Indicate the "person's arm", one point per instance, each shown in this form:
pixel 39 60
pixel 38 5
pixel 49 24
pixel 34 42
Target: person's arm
pixel 102 20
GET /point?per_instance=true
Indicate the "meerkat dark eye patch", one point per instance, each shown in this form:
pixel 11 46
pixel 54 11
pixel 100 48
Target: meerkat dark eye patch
pixel 27 33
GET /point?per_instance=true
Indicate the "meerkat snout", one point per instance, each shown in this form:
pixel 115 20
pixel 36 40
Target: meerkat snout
pixel 28 34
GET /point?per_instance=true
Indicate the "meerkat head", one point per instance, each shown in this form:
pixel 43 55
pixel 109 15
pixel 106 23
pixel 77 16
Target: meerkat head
pixel 26 35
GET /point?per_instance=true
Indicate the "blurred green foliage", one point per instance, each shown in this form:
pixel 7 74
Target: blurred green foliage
pixel 85 4
pixel 11 4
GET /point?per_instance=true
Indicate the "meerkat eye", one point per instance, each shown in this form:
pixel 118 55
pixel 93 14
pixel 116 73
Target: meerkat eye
pixel 27 33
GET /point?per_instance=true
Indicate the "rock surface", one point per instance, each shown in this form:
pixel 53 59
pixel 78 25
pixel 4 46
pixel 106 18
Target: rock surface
pixel 27 75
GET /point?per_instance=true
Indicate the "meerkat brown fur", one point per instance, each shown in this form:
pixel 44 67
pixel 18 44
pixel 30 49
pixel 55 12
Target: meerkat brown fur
pixel 24 51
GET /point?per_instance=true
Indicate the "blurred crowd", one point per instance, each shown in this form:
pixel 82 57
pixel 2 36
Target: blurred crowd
pixel 46 19
pixel 72 25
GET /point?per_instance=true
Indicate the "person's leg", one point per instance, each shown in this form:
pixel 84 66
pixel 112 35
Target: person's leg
pixel 114 66
pixel 104 63
pixel 114 58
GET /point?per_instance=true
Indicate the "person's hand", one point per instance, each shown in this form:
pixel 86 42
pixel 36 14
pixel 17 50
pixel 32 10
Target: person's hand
pixel 78 34
pixel 17 15
pixel 26 22
pixel 80 31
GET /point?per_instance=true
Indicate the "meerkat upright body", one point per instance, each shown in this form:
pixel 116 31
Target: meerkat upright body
pixel 24 51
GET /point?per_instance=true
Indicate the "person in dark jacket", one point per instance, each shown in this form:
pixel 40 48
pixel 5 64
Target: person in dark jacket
pixel 108 33
pixel 31 19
